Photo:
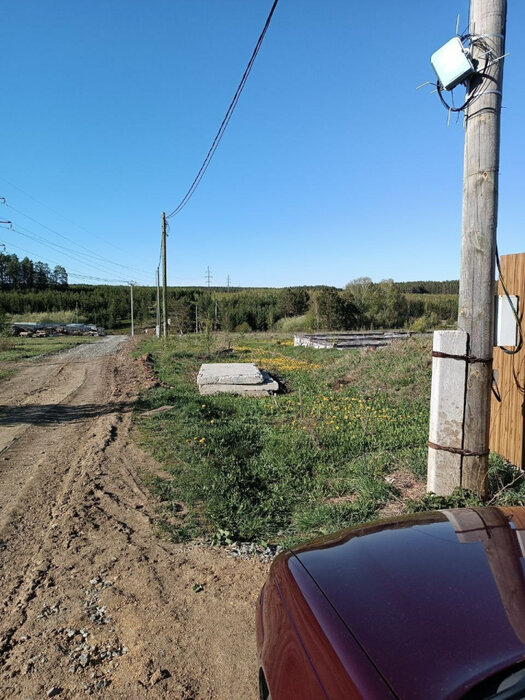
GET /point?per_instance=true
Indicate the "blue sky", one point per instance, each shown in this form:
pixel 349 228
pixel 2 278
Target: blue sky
pixel 333 166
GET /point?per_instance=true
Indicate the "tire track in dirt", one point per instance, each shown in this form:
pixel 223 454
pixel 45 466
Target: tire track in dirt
pixel 15 438
pixel 90 600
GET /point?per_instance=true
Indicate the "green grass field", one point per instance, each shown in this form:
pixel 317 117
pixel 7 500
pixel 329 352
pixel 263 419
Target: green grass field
pixel 312 460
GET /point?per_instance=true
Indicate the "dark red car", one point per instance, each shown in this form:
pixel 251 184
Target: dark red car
pixel 424 607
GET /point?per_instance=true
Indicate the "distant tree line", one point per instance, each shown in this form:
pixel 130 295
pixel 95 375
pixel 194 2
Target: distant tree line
pixel 361 305
pixel 446 287
pixel 26 274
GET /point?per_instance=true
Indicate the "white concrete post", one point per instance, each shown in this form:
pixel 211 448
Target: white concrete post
pixel 447 406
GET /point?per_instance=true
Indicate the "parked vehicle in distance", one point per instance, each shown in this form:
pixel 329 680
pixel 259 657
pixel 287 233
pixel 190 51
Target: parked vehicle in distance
pixel 423 607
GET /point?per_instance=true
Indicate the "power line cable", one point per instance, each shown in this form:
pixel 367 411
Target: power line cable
pixel 69 273
pixel 40 258
pixel 77 256
pixel 74 254
pixel 43 204
pixel 60 235
pixel 226 119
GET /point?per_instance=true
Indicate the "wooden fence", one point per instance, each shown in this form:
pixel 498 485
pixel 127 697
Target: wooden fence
pixel 507 419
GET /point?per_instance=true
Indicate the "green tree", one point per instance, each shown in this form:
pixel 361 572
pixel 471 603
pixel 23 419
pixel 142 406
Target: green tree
pixel 60 276
pixel 333 311
pixel 387 307
pixel 27 273
pixel 13 271
pixel 294 301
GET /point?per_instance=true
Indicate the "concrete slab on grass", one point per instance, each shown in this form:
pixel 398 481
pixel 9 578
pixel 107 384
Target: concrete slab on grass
pixel 267 387
pixel 229 373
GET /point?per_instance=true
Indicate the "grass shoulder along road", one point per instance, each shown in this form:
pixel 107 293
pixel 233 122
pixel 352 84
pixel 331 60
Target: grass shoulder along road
pixel 15 349
pixel 344 443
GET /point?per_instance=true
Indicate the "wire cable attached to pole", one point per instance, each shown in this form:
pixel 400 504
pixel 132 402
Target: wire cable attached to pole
pixel 225 121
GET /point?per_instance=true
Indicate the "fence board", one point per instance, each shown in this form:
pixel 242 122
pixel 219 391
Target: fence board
pixel 507 420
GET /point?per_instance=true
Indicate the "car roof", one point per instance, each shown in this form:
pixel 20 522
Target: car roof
pixel 436 600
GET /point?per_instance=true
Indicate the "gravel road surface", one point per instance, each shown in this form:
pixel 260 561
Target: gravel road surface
pixel 92 602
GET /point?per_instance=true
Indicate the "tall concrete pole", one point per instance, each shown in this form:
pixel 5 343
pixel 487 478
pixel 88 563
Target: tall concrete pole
pixel 131 302
pixel 164 278
pixel 480 208
pixel 157 322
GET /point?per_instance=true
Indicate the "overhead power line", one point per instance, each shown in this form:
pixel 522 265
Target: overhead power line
pixel 77 256
pixel 69 272
pixel 91 253
pixel 225 121
pixel 65 218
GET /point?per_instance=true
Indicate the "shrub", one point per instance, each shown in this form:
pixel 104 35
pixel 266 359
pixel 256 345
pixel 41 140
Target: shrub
pixel 243 327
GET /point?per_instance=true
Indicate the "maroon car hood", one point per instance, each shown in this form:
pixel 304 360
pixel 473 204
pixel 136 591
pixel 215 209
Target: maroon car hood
pixel 437 601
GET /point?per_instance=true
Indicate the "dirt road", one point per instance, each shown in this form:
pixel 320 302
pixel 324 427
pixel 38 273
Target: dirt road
pixel 91 601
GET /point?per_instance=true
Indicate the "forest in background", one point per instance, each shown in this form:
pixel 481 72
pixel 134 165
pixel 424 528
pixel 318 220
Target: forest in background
pixel 361 305
pixel 28 288
pixel 26 274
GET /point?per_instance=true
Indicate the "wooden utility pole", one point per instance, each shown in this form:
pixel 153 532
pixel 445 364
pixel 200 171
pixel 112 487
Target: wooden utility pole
pixel 164 278
pixel 480 207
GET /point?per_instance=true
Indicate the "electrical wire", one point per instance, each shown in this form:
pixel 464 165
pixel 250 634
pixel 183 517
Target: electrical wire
pixel 65 218
pixel 65 252
pixel 69 273
pixel 72 257
pixel 482 75
pixel 66 238
pixel 225 121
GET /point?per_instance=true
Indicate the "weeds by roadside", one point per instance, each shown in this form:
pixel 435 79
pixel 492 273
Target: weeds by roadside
pixel 335 449
pixel 312 461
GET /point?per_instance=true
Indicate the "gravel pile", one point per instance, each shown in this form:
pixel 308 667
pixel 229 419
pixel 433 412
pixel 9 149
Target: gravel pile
pixel 106 346
pixel 250 550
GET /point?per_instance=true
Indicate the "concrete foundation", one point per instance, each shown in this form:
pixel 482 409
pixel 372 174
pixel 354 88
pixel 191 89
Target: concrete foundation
pixel 229 373
pixel 242 378
pixel 348 341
